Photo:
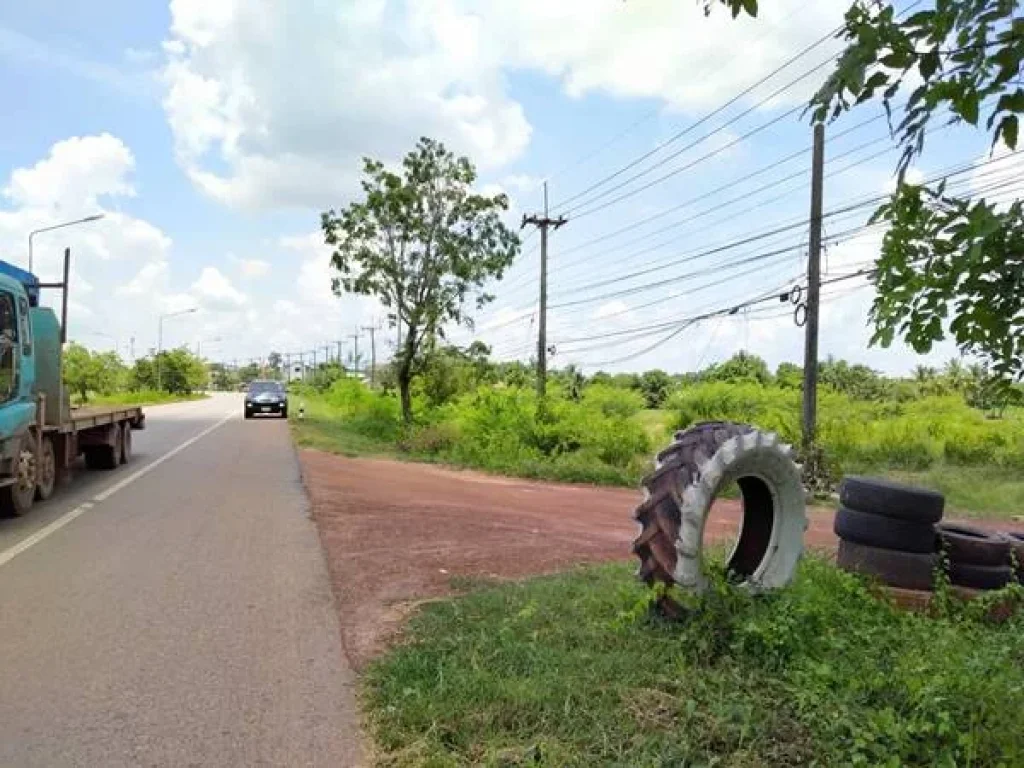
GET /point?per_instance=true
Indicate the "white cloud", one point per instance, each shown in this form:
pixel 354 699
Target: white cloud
pixel 75 175
pixel 146 281
pixel 81 176
pixel 272 103
pixel 250 268
pixel 612 308
pixel 214 290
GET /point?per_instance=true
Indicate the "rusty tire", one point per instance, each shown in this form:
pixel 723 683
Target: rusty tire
pixel 679 494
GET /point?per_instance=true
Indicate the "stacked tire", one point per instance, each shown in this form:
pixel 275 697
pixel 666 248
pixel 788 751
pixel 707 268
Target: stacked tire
pixel 888 531
pixel 895 533
pixel 976 558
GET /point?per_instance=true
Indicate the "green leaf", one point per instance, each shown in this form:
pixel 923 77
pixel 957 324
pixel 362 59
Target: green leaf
pixel 928 64
pixel 1008 131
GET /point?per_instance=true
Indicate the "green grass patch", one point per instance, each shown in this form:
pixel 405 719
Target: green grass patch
pixel 143 397
pixel 322 429
pixel 571 670
pixel 993 492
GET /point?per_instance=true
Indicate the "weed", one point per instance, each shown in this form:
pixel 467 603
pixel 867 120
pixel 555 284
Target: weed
pixel 573 670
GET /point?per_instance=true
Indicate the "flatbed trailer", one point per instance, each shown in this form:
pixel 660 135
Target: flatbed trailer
pixel 103 434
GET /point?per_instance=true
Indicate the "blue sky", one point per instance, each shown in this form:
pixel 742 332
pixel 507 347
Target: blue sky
pixel 212 134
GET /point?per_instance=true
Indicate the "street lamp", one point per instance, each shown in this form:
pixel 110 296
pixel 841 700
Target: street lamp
pixel 34 232
pixel 160 339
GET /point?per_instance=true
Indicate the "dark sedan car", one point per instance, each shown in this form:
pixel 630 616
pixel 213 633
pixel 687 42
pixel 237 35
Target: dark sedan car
pixel 266 397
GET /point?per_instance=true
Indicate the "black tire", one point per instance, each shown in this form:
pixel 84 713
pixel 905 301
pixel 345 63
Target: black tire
pixel 126 443
pixel 16 500
pixel 980 576
pixel 907 570
pixel 966 544
pixel 884 532
pixel 284 412
pixel 104 457
pixel 889 499
pixel 46 471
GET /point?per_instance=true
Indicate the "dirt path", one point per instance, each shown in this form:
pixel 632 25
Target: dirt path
pixel 396 533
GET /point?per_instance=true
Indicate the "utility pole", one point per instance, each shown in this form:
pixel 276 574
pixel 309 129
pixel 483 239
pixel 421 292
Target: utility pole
pixel 813 286
pixel 302 366
pixel 132 348
pixel 355 353
pixel 543 223
pixel 373 350
pixel 341 364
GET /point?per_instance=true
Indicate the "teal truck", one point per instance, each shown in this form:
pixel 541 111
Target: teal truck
pixel 41 435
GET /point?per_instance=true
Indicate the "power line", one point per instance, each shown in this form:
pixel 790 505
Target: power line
pixel 693 126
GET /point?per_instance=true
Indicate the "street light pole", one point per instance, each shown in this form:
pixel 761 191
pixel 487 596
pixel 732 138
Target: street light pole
pixel 34 232
pixel 160 340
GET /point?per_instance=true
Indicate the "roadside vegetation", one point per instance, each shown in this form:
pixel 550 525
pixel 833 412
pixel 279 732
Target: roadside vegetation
pixel 103 378
pixel 945 430
pixel 572 670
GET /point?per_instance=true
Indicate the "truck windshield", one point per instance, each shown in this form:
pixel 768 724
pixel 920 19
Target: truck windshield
pixel 259 387
pixel 8 334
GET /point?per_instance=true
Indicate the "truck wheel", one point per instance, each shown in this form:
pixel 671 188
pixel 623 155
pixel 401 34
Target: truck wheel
pixel 126 443
pixel 16 499
pixel 105 456
pixel 47 471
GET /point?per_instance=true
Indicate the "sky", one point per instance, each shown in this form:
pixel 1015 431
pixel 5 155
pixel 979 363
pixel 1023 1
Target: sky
pixel 211 135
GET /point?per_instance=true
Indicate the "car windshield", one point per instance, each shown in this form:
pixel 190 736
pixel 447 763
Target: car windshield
pixel 260 387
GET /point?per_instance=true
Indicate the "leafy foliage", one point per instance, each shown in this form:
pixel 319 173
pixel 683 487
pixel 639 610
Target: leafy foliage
pixel 87 372
pixel 420 242
pixel 945 260
pixel 656 386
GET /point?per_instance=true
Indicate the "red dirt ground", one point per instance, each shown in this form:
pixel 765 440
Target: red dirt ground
pixel 395 533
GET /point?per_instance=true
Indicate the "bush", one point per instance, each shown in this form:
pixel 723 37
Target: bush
pixel 861 434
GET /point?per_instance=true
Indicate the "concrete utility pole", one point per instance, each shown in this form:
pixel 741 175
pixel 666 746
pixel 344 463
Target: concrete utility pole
pixel 813 287
pixel 302 366
pixel 355 352
pixel 373 350
pixel 543 223
pixel 341 363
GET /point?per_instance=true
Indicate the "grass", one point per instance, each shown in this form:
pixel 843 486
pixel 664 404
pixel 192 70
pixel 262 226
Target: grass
pixel 571 670
pixel 992 492
pixel 145 397
pixel 320 428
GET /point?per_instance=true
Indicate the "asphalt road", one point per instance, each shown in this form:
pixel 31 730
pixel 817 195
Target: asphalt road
pixel 179 615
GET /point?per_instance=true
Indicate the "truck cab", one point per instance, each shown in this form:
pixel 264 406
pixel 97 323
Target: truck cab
pixel 40 435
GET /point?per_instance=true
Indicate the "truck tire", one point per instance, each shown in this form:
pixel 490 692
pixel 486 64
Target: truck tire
pixel 680 492
pixel 908 570
pixel 126 443
pixel 889 499
pixel 979 576
pixel 46 471
pixel 966 544
pixel 885 532
pixel 105 456
pixel 16 499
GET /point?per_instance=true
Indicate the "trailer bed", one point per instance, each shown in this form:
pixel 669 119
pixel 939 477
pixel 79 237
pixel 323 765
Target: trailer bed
pixel 89 416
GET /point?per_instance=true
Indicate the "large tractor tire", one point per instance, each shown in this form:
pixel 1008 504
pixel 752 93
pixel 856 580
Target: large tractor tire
pixel 679 494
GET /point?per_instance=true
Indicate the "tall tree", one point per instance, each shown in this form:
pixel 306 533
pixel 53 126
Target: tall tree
pixel 950 263
pixel 420 241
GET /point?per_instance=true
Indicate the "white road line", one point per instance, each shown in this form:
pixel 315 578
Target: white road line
pixel 30 541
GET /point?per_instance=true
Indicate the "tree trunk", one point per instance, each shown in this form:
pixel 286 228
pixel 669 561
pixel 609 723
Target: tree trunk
pixel 404 380
pixel 405 372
